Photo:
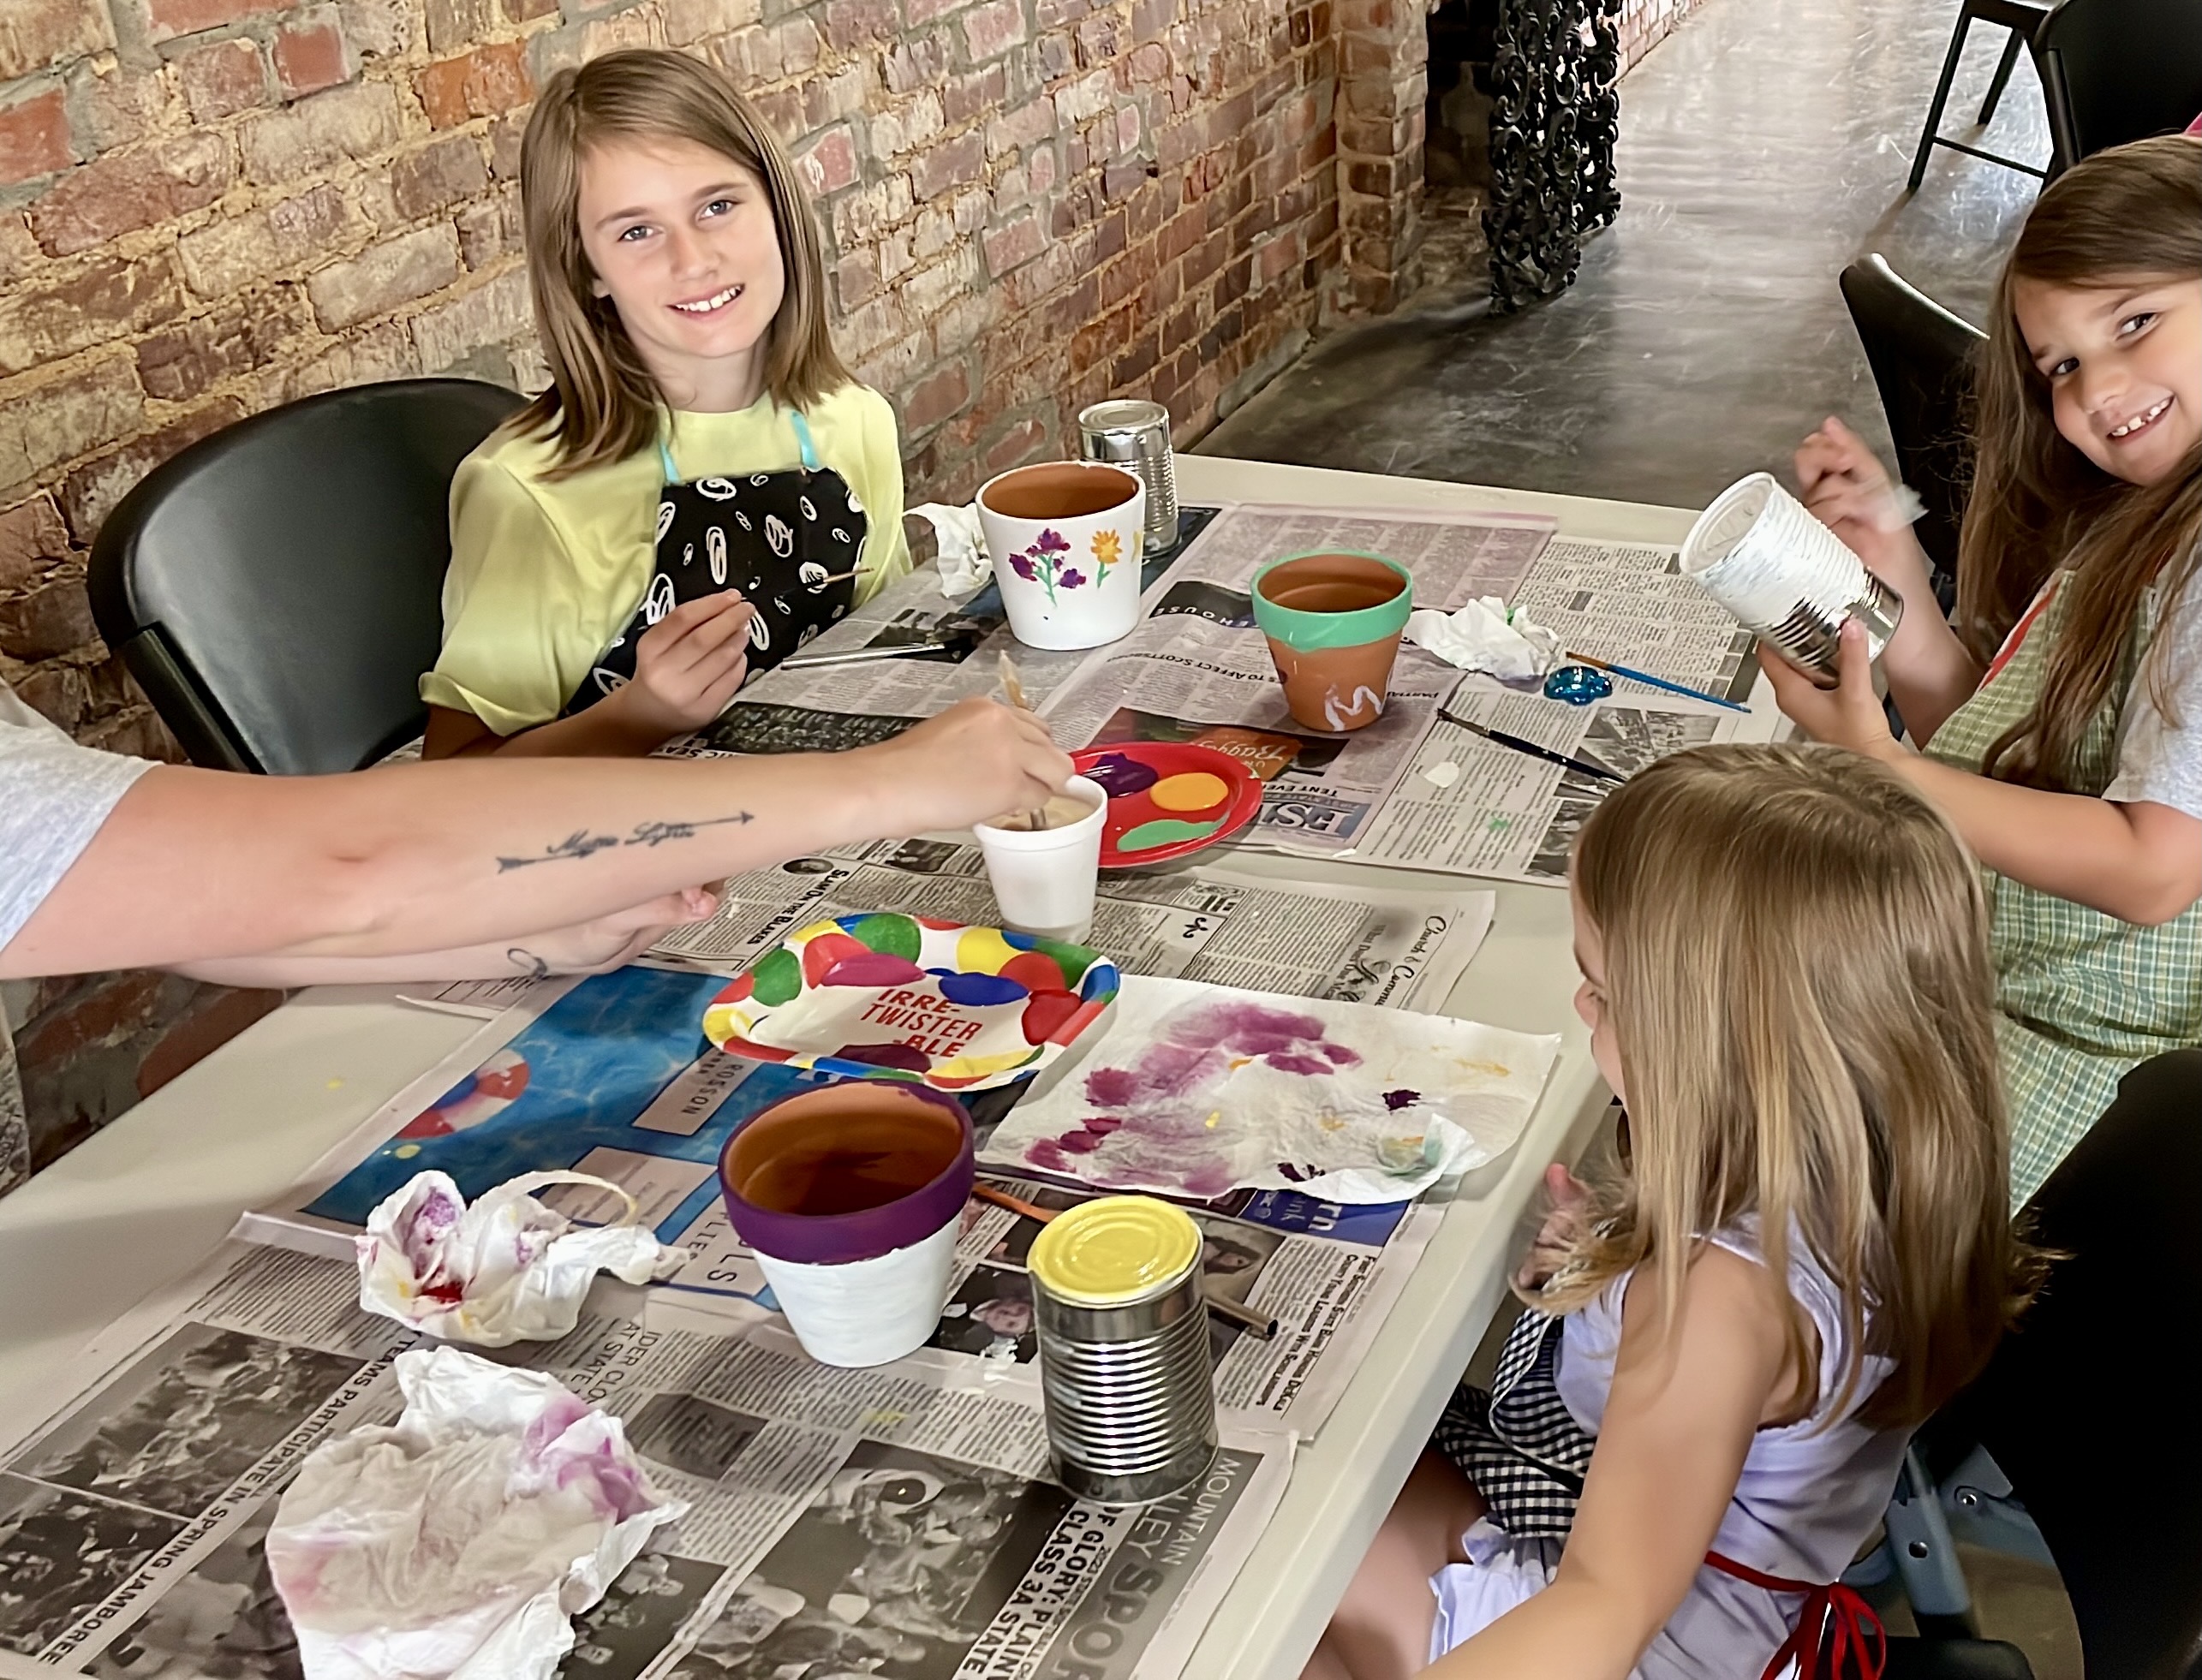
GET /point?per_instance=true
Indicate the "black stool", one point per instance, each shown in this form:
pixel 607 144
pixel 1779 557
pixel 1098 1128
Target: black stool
pixel 2024 19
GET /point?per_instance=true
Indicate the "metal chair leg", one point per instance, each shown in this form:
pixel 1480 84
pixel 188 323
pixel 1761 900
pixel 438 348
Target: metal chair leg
pixel 2003 76
pixel 1925 1557
pixel 1942 98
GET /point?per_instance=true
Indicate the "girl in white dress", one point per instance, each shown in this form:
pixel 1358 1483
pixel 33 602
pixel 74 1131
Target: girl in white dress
pixel 1787 979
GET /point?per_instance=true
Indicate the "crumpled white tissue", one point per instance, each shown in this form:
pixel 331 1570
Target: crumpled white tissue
pixel 1484 636
pixel 959 545
pixel 508 1269
pixel 1902 507
pixel 459 1541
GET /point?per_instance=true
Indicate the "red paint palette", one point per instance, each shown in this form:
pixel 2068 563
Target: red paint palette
pixel 1168 799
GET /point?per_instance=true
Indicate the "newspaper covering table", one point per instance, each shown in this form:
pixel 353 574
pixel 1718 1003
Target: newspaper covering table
pixel 1196 668
pixel 828 708
pixel 1629 602
pixel 612 1077
pixel 842 1522
pixel 1205 921
pixel 1474 807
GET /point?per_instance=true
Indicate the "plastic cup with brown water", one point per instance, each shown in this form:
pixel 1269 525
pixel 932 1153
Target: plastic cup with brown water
pixel 1334 621
pixel 1044 879
pixel 852 1198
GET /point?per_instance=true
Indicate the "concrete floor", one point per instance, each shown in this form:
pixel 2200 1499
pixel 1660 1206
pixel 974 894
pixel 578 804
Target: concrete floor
pixel 1763 145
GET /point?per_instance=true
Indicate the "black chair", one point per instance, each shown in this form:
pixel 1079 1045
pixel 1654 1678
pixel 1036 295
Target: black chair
pixel 2118 70
pixel 1921 355
pixel 2024 19
pixel 276 588
pixel 2089 1405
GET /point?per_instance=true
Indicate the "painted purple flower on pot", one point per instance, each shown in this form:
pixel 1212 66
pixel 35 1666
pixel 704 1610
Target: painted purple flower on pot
pixel 1042 563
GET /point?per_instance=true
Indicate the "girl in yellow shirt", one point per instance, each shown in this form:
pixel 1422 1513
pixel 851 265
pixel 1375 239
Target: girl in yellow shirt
pixel 704 488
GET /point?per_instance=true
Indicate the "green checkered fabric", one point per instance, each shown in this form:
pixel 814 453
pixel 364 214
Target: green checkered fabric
pixel 2082 997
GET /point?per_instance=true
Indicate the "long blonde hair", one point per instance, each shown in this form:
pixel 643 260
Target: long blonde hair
pixel 1797 976
pixel 2132 213
pixel 602 404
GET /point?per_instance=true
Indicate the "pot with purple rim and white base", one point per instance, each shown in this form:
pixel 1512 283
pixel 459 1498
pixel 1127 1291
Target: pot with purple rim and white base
pixel 852 1198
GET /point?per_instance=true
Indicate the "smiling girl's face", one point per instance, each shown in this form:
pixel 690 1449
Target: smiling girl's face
pixel 2124 366
pixel 681 241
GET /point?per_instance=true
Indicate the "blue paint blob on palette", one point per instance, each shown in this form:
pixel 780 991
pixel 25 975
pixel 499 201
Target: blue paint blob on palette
pixel 1168 799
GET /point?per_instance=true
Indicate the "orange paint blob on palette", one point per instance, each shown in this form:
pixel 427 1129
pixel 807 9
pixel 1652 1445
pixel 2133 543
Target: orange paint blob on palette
pixel 1168 799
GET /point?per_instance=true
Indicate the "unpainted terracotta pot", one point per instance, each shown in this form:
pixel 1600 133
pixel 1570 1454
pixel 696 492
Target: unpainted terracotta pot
pixel 1333 622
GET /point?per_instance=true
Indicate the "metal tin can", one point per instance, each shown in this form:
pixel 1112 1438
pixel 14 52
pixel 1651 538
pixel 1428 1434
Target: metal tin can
pixel 1124 1349
pixel 1129 432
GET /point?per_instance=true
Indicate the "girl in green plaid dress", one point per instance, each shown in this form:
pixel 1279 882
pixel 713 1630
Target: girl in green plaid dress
pixel 2059 718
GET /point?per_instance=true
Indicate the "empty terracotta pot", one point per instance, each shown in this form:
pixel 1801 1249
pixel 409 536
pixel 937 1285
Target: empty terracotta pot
pixel 1333 622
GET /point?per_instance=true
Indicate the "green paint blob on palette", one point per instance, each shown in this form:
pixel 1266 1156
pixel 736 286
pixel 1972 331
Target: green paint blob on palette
pixel 1167 799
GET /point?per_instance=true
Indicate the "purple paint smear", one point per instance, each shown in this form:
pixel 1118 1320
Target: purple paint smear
pixel 1155 1109
pixel 1119 775
pixel 1396 1100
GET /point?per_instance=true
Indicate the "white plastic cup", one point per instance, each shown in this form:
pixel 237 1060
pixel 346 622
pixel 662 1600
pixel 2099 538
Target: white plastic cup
pixel 1788 579
pixel 866 1311
pixel 1044 879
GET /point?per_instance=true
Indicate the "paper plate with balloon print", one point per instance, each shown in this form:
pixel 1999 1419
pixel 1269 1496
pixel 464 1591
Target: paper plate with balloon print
pixel 1167 799
pixel 886 996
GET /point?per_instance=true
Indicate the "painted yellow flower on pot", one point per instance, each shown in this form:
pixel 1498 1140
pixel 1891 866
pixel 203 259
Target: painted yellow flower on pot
pixel 1108 549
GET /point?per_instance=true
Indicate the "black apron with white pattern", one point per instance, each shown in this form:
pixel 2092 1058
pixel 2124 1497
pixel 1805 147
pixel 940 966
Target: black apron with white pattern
pixel 775 536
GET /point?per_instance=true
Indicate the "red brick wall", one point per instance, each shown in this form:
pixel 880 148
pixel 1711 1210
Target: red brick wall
pixel 208 207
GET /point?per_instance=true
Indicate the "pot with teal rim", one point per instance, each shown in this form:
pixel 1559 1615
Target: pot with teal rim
pixel 1332 621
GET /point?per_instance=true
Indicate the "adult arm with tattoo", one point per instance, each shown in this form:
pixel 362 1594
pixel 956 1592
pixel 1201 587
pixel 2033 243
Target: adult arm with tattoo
pixel 593 948
pixel 195 867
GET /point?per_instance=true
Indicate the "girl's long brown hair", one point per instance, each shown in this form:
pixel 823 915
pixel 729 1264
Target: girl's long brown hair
pixel 2130 214
pixel 1796 972
pixel 602 404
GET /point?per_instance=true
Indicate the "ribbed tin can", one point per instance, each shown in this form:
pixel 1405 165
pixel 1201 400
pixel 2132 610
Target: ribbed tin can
pixel 1123 1350
pixel 1129 432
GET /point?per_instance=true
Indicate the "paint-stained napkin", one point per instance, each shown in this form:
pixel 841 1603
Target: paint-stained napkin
pixel 1194 1090
pixel 458 1541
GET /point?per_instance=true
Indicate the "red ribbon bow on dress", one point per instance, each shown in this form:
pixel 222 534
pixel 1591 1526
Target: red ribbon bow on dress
pixel 1834 1616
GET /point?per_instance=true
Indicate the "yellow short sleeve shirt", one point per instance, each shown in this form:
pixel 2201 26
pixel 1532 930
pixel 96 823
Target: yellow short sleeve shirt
pixel 545 571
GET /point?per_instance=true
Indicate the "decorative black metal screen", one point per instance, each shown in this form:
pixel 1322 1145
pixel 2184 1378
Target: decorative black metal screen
pixel 1554 117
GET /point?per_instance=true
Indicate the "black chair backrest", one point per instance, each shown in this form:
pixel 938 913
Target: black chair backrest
pixel 2089 1406
pixel 2119 70
pixel 1922 359
pixel 276 588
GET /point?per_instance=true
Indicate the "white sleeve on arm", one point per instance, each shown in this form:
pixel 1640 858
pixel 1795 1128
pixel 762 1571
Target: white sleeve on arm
pixel 54 794
pixel 2160 760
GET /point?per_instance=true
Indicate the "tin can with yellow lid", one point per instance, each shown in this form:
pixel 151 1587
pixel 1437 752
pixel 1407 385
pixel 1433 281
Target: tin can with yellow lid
pixel 1124 1349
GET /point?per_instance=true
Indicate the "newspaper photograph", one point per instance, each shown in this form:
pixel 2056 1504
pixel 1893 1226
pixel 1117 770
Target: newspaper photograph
pixel 1198 669
pixel 841 1522
pixel 1206 921
pixel 1629 602
pixel 613 1079
pixel 1475 807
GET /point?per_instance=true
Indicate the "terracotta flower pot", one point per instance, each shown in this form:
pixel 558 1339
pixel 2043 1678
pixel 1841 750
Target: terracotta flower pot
pixel 851 1197
pixel 1065 537
pixel 1333 622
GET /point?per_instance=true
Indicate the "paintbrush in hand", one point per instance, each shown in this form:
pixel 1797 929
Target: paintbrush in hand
pixel 1012 688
